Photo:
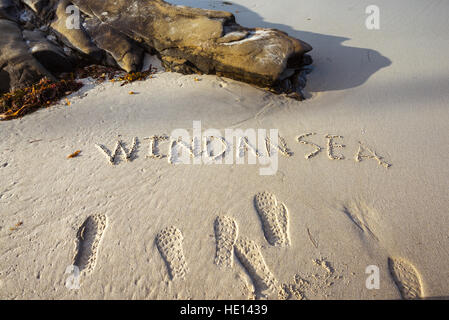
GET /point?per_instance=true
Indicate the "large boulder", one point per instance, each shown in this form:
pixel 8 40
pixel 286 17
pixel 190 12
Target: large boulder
pixel 206 41
pixel 117 32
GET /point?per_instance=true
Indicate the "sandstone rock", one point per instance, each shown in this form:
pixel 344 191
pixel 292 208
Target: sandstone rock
pixel 51 56
pixel 36 5
pixel 74 38
pixel 203 40
pixel 18 66
pixel 8 10
pixel 45 9
pixel 125 51
pixel 188 40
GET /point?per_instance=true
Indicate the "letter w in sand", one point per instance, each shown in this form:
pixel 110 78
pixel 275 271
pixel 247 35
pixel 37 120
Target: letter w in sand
pixel 120 149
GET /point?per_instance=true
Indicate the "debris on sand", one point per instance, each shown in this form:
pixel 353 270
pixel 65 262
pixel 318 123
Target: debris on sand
pixel 74 155
pixel 19 102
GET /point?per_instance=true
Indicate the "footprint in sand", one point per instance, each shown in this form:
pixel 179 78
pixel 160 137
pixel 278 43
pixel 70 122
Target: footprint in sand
pixel 88 240
pixel 169 243
pixel 406 278
pixel 274 217
pixel 225 237
pixel 250 256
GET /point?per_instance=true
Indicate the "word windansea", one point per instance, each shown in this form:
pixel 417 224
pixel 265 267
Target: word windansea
pixel 236 146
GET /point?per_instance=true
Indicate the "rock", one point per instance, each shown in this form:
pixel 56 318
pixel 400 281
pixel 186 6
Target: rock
pixel 36 5
pixel 45 9
pixel 51 56
pixel 187 40
pixel 75 38
pixel 4 81
pixel 178 65
pixel 232 36
pixel 203 41
pixel 8 10
pixel 125 51
pixel 18 66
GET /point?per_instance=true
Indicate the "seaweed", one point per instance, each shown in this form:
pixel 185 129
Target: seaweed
pixel 16 227
pixel 136 76
pixel 101 73
pixel 46 92
pixel 97 72
pixel 74 155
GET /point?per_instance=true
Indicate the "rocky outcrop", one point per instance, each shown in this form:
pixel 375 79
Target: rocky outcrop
pixel 125 51
pixel 17 65
pixel 8 10
pixel 51 56
pixel 76 38
pixel 187 40
pixel 206 41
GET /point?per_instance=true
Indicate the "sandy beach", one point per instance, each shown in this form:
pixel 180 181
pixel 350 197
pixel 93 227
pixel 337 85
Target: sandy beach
pixel 359 187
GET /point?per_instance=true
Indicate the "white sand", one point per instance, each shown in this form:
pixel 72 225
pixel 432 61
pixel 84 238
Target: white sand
pixel 387 88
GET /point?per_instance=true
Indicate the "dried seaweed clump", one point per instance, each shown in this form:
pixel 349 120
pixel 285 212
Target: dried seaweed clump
pixel 101 73
pixel 97 72
pixel 19 102
pixel 136 76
